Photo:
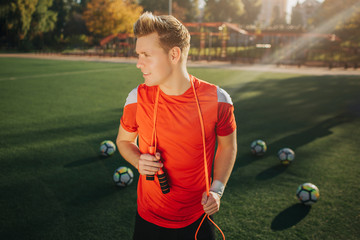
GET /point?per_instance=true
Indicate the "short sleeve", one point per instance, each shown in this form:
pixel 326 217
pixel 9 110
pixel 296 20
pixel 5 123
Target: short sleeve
pixel 226 123
pixel 128 119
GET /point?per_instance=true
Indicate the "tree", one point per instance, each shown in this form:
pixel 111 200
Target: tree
pixel 75 25
pixel 329 8
pixel 105 17
pixel 223 10
pixel 43 20
pixel 277 18
pixel 296 18
pixel 19 15
pixel 157 7
pixel 184 10
pixel 193 13
pixel 64 9
pixel 24 20
pixel 251 11
pixel 342 18
pixel 349 29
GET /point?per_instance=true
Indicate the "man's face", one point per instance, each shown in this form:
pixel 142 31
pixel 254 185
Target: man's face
pixel 153 61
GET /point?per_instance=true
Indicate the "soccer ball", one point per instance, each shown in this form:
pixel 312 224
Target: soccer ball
pixel 258 147
pixel 107 148
pixel 286 156
pixel 308 193
pixel 123 176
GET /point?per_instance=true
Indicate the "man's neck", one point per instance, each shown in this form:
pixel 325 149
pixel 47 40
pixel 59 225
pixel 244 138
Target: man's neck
pixel 177 84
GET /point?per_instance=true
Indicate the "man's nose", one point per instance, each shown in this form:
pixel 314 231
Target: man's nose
pixel 139 64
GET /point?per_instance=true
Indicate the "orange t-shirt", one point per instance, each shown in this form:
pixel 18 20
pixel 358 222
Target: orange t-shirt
pixel 179 140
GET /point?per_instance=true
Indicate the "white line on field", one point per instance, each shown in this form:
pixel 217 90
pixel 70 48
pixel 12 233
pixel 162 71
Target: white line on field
pixel 56 74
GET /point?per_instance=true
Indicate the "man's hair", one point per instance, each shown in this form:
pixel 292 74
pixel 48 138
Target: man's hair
pixel 172 33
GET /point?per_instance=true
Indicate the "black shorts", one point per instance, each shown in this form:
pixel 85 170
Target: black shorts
pixel 145 230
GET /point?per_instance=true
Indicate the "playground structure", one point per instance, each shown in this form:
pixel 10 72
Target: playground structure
pixel 223 41
pixel 122 44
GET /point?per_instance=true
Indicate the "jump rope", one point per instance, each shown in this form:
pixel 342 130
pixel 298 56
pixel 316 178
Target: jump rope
pixel 162 175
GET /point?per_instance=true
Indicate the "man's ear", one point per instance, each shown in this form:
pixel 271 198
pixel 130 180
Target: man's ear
pixel 175 54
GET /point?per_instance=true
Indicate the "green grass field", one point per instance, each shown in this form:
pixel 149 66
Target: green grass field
pixel 54 185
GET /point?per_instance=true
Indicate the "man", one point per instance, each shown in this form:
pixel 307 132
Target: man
pixel 165 113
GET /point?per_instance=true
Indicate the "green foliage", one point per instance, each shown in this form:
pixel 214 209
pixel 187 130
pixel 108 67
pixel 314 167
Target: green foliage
pixel 193 13
pixel 44 20
pixel 329 8
pixel 251 11
pixel 21 12
pixel 25 20
pixel 223 10
pixel 349 31
pixel 77 41
pixel 347 19
pixel 75 25
pixel 277 19
pixel 64 10
pixel 161 6
pixel 296 18
pixel 184 10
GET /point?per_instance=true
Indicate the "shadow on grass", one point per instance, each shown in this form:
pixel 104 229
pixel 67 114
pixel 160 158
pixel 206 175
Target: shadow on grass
pixel 66 127
pixel 290 217
pixel 93 194
pixel 248 158
pixel 295 141
pixel 302 109
pixel 271 172
pixel 85 161
pixel 320 130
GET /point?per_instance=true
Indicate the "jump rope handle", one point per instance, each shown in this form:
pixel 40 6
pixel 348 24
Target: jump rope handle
pixel 151 177
pixel 164 184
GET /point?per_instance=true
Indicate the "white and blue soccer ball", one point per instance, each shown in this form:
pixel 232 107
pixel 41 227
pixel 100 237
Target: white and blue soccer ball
pixel 107 148
pixel 286 156
pixel 308 193
pixel 123 176
pixel 258 147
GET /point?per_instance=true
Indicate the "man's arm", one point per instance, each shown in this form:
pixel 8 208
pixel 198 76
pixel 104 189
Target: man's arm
pixel 145 163
pixel 126 143
pixel 225 157
pixel 223 165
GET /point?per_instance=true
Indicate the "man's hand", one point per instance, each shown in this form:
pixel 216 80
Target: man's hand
pixel 211 204
pixel 149 164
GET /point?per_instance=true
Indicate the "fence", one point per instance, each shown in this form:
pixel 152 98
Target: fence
pixel 226 42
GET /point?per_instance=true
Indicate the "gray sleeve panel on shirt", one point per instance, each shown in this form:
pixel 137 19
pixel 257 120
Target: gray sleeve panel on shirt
pixel 223 96
pixel 132 97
